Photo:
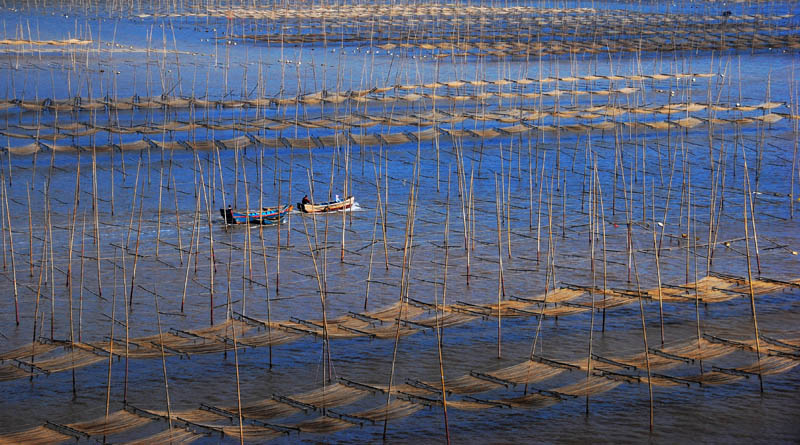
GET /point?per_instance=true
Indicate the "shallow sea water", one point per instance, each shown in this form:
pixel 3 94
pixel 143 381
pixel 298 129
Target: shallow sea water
pixel 344 253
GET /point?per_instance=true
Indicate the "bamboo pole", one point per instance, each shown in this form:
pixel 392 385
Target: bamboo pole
pixel 238 386
pixel 136 250
pixel 694 239
pixel 381 206
pixel 629 215
pixel 160 190
pixel 73 221
pixel 592 227
pixel 446 243
pixel 346 195
pixel 794 108
pixel 539 209
pixel 80 284
pixel 212 260
pixel 11 244
pixel 658 272
pixel 549 272
pixel 644 339
pixel 320 286
pixel 177 216
pixel 441 361
pixel 500 291
pixel 127 330
pixel 133 204
pixel 163 362
pixel 3 221
pixel 410 215
pixel 36 306
pixel 277 176
pixel 264 253
pixel 195 224
pixel 111 344
pixel 599 195
pixel 30 231
pixel 371 253
pixel 96 210
pixel 52 282
pixel 745 189
pixel 247 260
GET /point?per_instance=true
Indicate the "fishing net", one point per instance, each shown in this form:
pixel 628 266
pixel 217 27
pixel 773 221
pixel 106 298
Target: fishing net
pixel 466 384
pixel 331 396
pixel 31 349
pixel 39 435
pixel 253 433
pixel 526 372
pixel 174 436
pixel 11 372
pixel 75 358
pixel 770 365
pixel 588 387
pixel 116 422
pixel 530 401
pixel 323 425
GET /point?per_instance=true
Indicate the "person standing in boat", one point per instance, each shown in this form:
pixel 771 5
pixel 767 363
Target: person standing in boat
pixel 306 200
pixel 229 215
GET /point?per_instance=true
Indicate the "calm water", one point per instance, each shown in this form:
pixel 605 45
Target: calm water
pixel 171 201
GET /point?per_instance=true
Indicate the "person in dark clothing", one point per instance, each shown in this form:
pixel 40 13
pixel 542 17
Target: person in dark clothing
pixel 229 215
pixel 306 200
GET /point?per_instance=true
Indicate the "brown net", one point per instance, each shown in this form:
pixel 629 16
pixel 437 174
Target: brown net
pixel 174 436
pixel 530 401
pixel 39 435
pixel 24 150
pixel 116 422
pixel 589 386
pixel 526 372
pixel 770 365
pixel 199 416
pixel 75 358
pixel 31 349
pixel 265 409
pixel 236 143
pixel 252 433
pixel 714 378
pixel 331 396
pixel 323 425
pixel 466 384
pixel 11 372
pixel 396 409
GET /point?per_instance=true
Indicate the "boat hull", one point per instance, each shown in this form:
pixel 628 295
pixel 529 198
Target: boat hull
pixel 333 206
pixel 266 215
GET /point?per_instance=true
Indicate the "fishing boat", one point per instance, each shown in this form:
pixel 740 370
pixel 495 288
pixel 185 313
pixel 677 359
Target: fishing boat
pixel 332 206
pixel 266 215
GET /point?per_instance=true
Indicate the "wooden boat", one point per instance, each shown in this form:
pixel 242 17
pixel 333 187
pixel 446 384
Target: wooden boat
pixel 267 215
pixel 332 206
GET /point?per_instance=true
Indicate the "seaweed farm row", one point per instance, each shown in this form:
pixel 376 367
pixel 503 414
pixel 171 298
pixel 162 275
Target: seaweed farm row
pixel 326 407
pixel 40 357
